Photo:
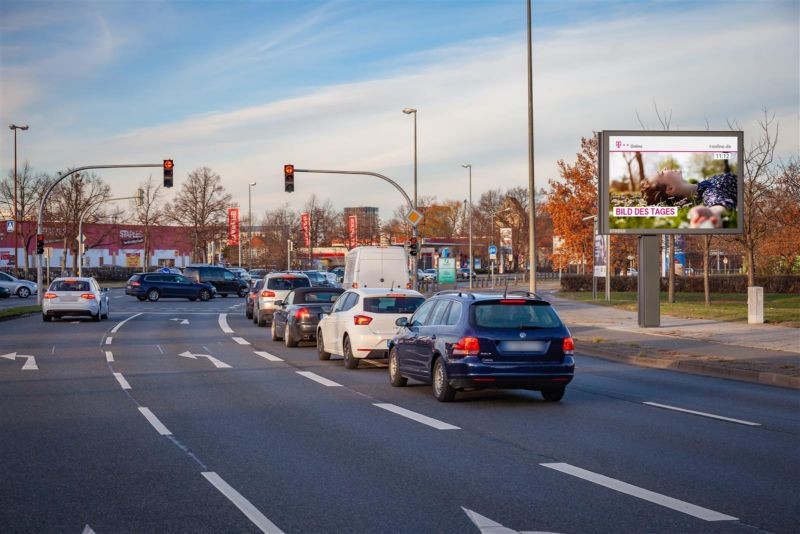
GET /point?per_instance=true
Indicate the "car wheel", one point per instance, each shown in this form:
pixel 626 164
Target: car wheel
pixel 553 394
pixel 350 361
pixel 321 354
pixel 442 390
pixel 205 295
pixel 96 318
pixel 274 332
pixel 153 295
pixel 46 318
pixel 288 340
pixel 395 378
pixel 243 292
pixel 261 320
pixel 142 298
pixel 23 292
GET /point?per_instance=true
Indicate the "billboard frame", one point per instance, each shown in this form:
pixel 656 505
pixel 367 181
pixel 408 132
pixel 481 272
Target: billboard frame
pixel 604 222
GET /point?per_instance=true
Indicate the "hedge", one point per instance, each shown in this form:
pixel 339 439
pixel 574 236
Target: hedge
pixel 687 284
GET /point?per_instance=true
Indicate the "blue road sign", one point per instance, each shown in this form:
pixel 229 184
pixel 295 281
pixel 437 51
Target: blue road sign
pixel 492 249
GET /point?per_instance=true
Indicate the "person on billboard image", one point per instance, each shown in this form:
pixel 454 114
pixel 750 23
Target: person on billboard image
pixel 717 195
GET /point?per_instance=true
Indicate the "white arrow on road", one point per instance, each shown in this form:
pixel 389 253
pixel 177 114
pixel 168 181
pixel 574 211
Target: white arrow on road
pixel 183 321
pixel 30 365
pixel 216 362
pixel 487 526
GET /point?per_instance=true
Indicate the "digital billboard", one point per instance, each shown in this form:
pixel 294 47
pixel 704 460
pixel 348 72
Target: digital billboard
pixel 670 182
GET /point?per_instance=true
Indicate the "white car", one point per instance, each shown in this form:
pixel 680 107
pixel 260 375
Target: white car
pixel 75 296
pixel 276 287
pixel 21 288
pixel 362 321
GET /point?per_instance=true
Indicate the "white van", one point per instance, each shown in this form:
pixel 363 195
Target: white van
pixel 380 267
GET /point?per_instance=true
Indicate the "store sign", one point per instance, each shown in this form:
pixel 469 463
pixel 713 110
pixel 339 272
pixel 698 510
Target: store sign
pixel 305 224
pixel 233 226
pixel 352 231
pixel 131 237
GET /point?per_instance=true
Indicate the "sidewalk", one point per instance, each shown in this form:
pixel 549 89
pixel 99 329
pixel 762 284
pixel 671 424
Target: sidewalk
pixel 765 354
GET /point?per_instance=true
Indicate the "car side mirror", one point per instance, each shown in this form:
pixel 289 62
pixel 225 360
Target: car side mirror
pixel 401 321
pixel 279 303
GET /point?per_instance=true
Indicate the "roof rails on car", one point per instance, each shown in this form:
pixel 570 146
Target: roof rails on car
pixel 458 292
pixel 526 293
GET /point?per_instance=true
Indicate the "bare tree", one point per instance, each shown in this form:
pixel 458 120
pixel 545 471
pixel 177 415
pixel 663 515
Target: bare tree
pixel 149 213
pixel 30 187
pixel 201 204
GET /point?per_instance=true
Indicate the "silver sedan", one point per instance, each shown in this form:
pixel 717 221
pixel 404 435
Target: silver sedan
pixel 21 288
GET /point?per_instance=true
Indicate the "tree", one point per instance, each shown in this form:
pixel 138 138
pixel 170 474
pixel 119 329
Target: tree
pixel 325 222
pixel 149 213
pixel 202 205
pixel 30 188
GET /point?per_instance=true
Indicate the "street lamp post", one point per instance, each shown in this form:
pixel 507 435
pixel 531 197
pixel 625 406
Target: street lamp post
pixel 15 211
pixel 469 272
pixel 412 111
pixel 250 225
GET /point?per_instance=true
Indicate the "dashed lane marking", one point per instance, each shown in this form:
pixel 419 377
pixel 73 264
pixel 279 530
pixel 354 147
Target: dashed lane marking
pixel 108 340
pixel 223 323
pixel 245 506
pixel 153 420
pixel 109 356
pixel 319 379
pixel 122 381
pixel 641 493
pixel 268 356
pixel 702 414
pixel 241 341
pixel 418 417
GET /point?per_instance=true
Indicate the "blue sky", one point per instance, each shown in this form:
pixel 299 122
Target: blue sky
pixel 243 87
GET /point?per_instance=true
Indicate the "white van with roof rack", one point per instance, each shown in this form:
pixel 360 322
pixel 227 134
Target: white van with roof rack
pixel 376 267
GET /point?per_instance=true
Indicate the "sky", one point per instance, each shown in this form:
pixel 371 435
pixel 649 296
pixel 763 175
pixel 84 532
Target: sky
pixel 243 87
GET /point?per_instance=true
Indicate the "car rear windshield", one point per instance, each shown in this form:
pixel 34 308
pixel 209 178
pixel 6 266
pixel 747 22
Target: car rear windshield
pixel 70 285
pixel 514 314
pixel 287 283
pixel 392 304
pixel 326 296
pixel 134 278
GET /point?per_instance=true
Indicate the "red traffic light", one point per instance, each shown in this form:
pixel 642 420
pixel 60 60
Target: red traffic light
pixel 168 165
pixel 288 169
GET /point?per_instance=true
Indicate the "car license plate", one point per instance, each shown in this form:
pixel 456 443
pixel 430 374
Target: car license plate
pixel 68 299
pixel 523 346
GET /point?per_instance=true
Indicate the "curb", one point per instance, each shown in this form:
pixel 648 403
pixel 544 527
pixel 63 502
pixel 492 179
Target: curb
pixel 698 368
pixel 21 315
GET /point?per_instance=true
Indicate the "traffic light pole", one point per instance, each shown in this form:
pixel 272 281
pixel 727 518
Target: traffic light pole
pixel 40 222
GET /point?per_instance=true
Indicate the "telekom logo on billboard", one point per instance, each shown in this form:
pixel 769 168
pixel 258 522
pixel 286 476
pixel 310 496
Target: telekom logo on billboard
pixel 352 231
pixel 305 223
pixel 233 226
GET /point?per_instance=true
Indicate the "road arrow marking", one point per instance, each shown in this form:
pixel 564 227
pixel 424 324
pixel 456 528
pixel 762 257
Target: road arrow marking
pixel 216 362
pixel 487 526
pixel 182 321
pixel 29 365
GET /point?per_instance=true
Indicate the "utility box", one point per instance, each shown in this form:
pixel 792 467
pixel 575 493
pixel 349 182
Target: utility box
pixel 755 305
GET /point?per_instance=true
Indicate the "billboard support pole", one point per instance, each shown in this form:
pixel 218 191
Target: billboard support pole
pixel 649 282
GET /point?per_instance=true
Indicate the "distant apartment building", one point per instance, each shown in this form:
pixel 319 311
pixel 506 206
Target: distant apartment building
pixel 368 225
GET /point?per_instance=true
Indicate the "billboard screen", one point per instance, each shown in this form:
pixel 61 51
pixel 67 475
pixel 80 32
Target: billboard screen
pixel 670 182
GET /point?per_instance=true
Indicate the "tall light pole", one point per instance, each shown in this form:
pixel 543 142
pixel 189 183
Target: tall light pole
pixel 250 225
pixel 15 213
pixel 412 111
pixel 469 272
pixel 531 187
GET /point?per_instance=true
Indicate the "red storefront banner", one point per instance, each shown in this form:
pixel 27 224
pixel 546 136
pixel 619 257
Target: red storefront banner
pixel 233 226
pixel 352 231
pixel 305 223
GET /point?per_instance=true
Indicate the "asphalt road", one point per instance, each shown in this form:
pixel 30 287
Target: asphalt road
pixel 119 429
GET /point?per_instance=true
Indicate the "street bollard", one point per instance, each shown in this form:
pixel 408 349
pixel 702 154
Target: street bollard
pixel 755 305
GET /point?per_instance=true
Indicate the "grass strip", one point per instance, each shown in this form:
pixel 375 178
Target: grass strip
pixel 19 310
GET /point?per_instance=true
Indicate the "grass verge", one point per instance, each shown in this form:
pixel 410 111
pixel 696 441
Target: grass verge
pixel 19 310
pixel 778 308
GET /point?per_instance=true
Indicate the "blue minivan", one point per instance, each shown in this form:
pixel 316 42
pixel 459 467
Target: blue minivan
pixel 458 340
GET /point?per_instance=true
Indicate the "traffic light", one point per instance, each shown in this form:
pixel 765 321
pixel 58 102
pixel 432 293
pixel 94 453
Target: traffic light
pixel 168 165
pixel 140 198
pixel 39 243
pixel 413 246
pixel 288 178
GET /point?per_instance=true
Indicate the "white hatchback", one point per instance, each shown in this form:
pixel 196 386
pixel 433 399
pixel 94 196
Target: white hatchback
pixel 362 321
pixel 75 296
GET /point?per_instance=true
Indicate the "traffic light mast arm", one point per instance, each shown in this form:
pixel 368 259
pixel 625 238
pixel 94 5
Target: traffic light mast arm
pixel 364 173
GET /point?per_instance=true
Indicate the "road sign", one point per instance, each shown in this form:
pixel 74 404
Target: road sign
pixel 447 270
pixel 492 252
pixel 9 227
pixel 414 217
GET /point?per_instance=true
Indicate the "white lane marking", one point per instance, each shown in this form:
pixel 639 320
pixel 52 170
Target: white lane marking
pixel 217 363
pixel 316 378
pixel 487 526
pixel 268 356
pixel 241 341
pixel 153 420
pixel 30 362
pixel 641 493
pixel 108 340
pixel 87 530
pixel 703 414
pixel 53 351
pixel 109 356
pixel 160 349
pixel 119 325
pixel 246 507
pixel 122 381
pixel 418 417
pixel 223 323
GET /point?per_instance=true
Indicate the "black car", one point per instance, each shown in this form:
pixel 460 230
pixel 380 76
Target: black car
pixel 153 286
pixel 4 293
pixel 461 340
pixel 221 278
pixel 296 318
pixel 252 296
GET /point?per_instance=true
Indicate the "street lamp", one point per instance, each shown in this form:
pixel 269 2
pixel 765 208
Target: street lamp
pixel 15 211
pixel 469 272
pixel 410 111
pixel 250 226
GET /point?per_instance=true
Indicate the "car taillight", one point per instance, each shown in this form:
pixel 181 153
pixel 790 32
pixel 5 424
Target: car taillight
pixel 568 346
pixel 49 295
pixel 408 285
pixel 88 296
pixel 466 346
pixel 362 320
pixel 136 283
pixel 266 293
pixel 303 313
pixel 512 301
pixel 354 285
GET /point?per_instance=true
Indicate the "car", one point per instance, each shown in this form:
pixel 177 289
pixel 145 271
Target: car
pixel 153 286
pixel 462 340
pixel 318 278
pixel 4 293
pixel 221 278
pixel 75 296
pixel 339 272
pixel 296 318
pixel 464 273
pixel 431 274
pixel 378 267
pixel 257 274
pixel 276 287
pixel 241 274
pixel 252 295
pixel 21 288
pixel 362 321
